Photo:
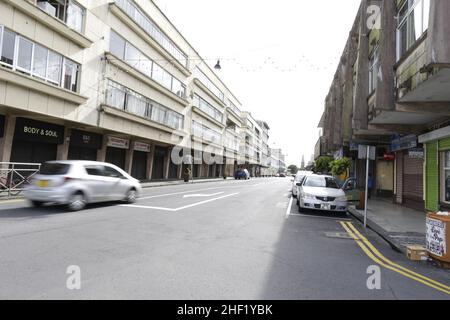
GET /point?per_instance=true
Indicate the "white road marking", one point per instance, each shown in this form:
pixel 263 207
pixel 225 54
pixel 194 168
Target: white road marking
pixel 199 195
pixel 181 208
pixel 288 211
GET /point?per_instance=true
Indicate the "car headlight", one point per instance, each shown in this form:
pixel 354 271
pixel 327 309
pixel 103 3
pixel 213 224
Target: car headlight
pixel 308 196
pixel 341 199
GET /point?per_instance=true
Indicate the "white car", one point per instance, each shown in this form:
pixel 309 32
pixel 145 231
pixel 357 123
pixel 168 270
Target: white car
pixel 77 183
pixel 321 193
pixel 297 181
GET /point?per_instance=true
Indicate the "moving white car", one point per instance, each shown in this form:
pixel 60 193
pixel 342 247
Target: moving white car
pixel 322 193
pixel 77 183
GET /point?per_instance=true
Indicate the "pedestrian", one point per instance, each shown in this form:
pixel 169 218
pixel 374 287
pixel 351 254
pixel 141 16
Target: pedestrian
pixel 187 174
pixel 370 185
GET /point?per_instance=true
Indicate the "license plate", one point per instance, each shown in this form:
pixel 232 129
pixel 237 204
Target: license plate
pixel 42 183
pixel 326 207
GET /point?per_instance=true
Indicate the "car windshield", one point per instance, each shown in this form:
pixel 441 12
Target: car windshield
pixel 321 182
pixel 53 169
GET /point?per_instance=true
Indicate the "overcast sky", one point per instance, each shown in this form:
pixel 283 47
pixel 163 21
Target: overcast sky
pixel 277 57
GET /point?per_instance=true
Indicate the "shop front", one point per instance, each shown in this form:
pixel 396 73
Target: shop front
pixel 159 159
pixel 116 151
pixel 409 157
pixel 437 169
pixel 84 145
pixel 141 150
pixel 35 141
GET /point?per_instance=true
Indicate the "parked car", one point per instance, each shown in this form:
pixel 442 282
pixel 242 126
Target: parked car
pixel 77 183
pixel 242 174
pixel 282 175
pixel 321 193
pixel 297 181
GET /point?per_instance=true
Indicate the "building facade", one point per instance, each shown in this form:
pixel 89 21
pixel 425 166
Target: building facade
pixel 390 88
pixel 113 81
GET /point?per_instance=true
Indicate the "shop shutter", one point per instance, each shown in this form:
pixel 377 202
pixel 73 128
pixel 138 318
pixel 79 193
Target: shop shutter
pixel 432 177
pixel 444 145
pixel 413 177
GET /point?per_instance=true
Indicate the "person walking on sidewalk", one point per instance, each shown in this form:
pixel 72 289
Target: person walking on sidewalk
pixel 370 185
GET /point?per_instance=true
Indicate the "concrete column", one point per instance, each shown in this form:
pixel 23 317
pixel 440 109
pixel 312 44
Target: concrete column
pixel 150 162
pixel 129 159
pixel 180 172
pixel 6 141
pixel 360 108
pixel 101 153
pixel 166 164
pixel 387 55
pixel 62 151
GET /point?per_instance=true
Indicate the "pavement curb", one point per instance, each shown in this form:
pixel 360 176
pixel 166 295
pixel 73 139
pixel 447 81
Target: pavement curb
pixel 396 245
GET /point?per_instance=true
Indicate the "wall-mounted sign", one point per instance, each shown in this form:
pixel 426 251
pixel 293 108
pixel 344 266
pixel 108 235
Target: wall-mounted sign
pixel 417 153
pixel 436 237
pixel 118 143
pixel 2 125
pixel 141 146
pixel 37 131
pixel 85 139
pixel 362 152
pixel 389 157
pixel 404 143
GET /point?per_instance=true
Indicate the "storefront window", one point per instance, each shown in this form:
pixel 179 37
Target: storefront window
pixel 445 184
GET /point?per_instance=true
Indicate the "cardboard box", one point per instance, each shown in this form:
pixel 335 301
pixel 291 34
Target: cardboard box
pixel 417 253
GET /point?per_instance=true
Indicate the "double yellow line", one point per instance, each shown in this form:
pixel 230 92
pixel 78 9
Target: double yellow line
pixel 381 260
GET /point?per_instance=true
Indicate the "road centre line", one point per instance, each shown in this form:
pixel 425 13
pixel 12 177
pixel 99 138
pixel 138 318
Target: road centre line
pixel 181 208
pixel 380 259
pixel 204 189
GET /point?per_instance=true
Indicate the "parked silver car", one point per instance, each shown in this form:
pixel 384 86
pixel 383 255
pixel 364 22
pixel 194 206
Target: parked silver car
pixel 77 183
pixel 322 193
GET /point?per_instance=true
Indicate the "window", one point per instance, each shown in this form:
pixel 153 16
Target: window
pixel 445 177
pixel 67 11
pixel 75 16
pixel 54 67
pixel 111 172
pixel 210 85
pixel 123 98
pixel 138 60
pixel 24 54
pixel 413 19
pixel 117 45
pixel 8 45
pixel 70 75
pixel 374 67
pixel 321 182
pixel 151 29
pixel 94 170
pixel 40 61
pixel 208 108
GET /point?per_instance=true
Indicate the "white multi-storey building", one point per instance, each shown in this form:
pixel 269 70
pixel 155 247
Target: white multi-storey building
pixel 115 81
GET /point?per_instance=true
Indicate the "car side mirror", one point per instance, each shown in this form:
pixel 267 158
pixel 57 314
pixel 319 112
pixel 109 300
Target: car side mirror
pixel 299 184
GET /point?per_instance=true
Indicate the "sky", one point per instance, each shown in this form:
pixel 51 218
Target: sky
pixel 277 57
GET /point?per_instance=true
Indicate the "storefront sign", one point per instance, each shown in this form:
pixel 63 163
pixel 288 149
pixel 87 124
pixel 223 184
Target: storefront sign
pixel 404 143
pixel 85 139
pixel 140 146
pixel 436 237
pixel 2 125
pixel 118 143
pixel 417 153
pixel 37 131
pixel 389 157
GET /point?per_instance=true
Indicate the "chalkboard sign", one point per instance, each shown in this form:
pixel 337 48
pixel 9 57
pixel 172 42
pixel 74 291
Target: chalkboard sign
pixel 436 237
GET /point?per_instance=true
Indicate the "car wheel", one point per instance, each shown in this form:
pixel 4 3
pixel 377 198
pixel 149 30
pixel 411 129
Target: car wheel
pixel 77 202
pixel 37 204
pixel 131 196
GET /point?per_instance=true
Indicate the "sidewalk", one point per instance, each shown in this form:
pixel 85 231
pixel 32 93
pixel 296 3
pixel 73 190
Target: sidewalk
pixel 398 225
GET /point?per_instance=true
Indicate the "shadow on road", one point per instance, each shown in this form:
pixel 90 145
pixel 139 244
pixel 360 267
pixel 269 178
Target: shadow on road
pixel 47 210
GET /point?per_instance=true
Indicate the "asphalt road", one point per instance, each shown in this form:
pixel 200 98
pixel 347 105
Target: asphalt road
pixel 218 240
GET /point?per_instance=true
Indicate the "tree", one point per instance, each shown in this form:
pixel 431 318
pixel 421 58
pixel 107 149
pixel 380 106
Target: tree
pixel 323 164
pixel 293 169
pixel 340 166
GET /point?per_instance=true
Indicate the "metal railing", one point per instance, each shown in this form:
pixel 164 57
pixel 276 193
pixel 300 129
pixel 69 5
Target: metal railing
pixel 14 176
